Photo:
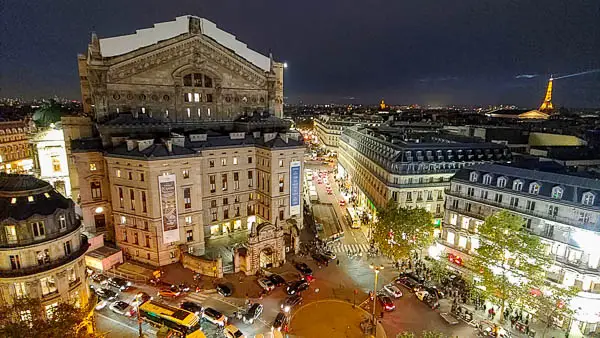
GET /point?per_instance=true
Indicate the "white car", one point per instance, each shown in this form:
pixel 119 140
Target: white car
pixel 120 307
pixel 101 305
pixel 266 284
pixel 214 316
pixel 392 290
pixel 231 331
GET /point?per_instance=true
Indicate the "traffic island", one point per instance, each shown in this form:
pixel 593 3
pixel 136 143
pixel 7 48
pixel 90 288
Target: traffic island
pixel 331 318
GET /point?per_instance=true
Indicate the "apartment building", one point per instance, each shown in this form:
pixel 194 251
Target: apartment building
pixel 562 208
pixel 411 167
pixel 328 130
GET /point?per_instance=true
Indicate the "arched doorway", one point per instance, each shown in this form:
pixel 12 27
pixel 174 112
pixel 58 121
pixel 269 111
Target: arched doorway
pixel 266 258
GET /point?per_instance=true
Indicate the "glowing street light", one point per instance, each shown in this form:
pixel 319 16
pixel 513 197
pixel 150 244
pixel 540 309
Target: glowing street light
pixel 375 268
pixel 285 65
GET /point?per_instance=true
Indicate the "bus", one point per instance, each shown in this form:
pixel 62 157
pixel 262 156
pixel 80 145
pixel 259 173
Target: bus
pixel 352 218
pixel 184 323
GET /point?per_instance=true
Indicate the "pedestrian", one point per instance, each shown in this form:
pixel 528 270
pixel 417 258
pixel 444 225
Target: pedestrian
pixel 381 314
pixel 338 262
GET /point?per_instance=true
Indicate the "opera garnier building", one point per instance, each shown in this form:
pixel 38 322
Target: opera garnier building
pixel 41 244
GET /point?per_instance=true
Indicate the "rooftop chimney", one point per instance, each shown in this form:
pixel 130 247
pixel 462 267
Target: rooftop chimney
pixel 169 145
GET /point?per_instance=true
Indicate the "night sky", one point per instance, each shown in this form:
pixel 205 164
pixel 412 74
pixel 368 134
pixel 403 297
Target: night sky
pixel 341 51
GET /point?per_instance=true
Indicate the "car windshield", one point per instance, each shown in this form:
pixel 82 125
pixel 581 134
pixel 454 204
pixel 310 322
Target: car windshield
pixel 212 312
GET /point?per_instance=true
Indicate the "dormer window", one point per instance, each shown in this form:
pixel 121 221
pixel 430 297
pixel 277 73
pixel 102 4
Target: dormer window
pixel 487 179
pixel 588 198
pixel 501 182
pixel 518 185
pixel 557 192
pixel 534 188
pixel 474 176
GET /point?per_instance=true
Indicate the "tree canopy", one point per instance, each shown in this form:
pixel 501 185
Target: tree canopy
pixel 551 304
pixel 25 318
pixel 399 231
pixel 49 112
pixel 510 259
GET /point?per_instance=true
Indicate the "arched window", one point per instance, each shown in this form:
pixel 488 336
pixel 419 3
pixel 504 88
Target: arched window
pixel 534 188
pixel 197 80
pixel 588 198
pixel 518 185
pixel 474 176
pixel 557 192
pixel 487 179
pixel 501 182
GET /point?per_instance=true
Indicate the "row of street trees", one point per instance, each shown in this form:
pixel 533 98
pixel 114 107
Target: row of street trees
pixel 510 261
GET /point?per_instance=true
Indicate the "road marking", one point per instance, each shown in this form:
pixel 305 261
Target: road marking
pixel 135 329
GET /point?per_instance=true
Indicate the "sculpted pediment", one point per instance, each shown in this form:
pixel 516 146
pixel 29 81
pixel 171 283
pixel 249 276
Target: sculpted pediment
pixel 197 51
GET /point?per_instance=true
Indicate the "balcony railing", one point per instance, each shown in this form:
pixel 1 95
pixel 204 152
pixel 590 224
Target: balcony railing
pixel 31 270
pixel 526 212
pixel 48 237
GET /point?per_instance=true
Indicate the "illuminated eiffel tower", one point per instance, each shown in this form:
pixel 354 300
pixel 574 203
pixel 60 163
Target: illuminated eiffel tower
pixel 547 105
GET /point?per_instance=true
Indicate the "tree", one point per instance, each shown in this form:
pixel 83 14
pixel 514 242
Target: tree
pixel 49 112
pixel 551 304
pixel 510 259
pixel 439 272
pixel 400 231
pixel 25 318
pixel 424 334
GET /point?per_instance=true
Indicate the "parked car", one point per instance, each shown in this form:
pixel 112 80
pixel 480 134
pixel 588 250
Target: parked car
pixel 265 284
pixel 144 297
pixel 119 307
pixel 342 203
pixel 329 254
pixel 191 307
pixel 99 278
pixel 392 290
pixel 291 301
pixel 277 280
pixel 214 316
pixel 296 287
pixel 416 277
pixel 106 294
pixel 231 331
pixel 119 283
pixel 280 322
pixel 253 313
pixel 168 293
pixel 303 268
pixel 386 302
pixel 101 305
pixel 320 259
pixel 433 290
pixel 224 290
pixel 409 283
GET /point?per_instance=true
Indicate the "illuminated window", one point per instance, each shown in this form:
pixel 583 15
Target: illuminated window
pixel 93 167
pixel 473 177
pixel 588 198
pixel 557 192
pixel 487 179
pixel 189 112
pixel 11 233
pixel 118 172
pixel 48 285
pixel 189 235
pixel 13 200
pixel 518 185
pixel 196 97
pixel 224 182
pixel 501 182
pixel 534 188
pixel 96 189
pixel 450 238
pixel 462 242
pixel 62 222
pixel 187 198
pixel 188 220
pixel 30 198
pixel 20 290
pixel 123 220
pixel 26 317
pixel 211 180
pixel 55 164
pixel 186 173
pixel 223 161
pixel 235 160
pixel 214 230
pixel 280 163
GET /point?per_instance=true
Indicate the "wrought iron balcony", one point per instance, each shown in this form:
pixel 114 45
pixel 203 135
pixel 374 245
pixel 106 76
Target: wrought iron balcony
pixel 31 270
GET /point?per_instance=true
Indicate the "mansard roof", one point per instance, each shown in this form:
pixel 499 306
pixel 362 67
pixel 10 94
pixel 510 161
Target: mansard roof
pixel 574 186
pixel 119 45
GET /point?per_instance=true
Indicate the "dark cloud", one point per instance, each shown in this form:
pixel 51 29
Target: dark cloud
pixel 338 48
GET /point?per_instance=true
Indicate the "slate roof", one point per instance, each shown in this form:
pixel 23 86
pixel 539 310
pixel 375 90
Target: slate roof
pixel 153 151
pixel 573 185
pixel 22 209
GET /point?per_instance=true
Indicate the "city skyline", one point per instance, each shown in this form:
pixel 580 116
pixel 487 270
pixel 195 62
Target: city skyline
pixel 419 53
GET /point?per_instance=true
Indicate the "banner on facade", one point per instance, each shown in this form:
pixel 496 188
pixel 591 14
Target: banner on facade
pixel 168 208
pixel 295 184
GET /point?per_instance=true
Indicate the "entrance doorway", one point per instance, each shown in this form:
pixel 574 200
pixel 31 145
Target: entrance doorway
pixel 266 258
pixel 100 221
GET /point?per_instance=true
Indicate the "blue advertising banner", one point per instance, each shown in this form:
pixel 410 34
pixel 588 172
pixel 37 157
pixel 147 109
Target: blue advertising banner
pixel 295 184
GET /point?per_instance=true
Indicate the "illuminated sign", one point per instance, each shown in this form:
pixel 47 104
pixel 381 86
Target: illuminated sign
pixel 295 175
pixel 168 208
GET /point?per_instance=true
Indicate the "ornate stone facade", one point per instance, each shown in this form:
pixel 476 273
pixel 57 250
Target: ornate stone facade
pixel 152 80
pixel 266 247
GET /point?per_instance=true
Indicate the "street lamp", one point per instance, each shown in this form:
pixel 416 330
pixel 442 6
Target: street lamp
pixel 138 301
pixel 375 268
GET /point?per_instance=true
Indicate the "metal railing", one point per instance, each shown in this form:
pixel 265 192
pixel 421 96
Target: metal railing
pixel 526 212
pixel 48 266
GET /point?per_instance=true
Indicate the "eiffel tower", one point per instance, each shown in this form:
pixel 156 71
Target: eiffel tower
pixel 547 105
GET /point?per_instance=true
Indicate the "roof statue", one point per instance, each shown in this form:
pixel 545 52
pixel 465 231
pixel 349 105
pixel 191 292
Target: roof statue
pixel 547 105
pixel 382 105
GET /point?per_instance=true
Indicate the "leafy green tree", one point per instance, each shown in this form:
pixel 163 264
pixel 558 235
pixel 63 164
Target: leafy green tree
pixel 401 231
pixel 551 304
pixel 25 318
pixel 510 259
pixel 49 112
pixel 439 272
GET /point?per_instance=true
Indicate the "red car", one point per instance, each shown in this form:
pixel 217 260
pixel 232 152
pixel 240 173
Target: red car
pixel 386 302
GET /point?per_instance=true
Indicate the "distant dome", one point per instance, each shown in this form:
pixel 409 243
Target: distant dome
pixel 22 196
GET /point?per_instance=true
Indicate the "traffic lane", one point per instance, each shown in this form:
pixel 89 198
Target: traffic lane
pixel 117 325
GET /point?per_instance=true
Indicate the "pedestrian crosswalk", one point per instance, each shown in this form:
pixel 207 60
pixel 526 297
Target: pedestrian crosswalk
pixel 348 248
pixel 197 296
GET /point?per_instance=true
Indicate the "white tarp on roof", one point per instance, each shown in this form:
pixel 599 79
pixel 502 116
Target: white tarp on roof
pixel 165 30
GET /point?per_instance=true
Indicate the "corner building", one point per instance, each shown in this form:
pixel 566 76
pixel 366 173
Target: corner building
pixel 41 244
pixel 187 155
pixel 562 209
